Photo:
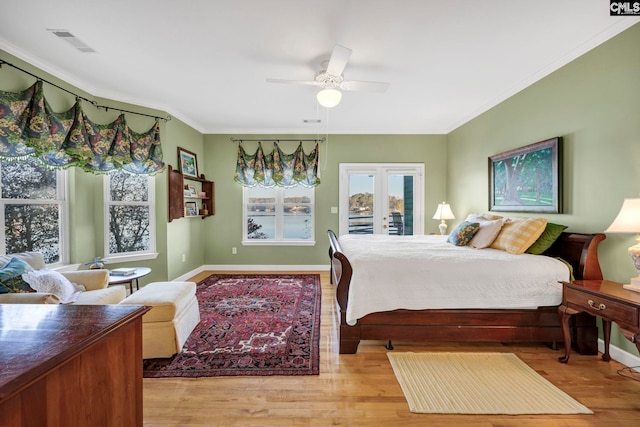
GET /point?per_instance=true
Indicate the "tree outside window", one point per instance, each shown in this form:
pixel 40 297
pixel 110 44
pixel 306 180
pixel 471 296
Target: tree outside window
pixel 33 209
pixel 129 213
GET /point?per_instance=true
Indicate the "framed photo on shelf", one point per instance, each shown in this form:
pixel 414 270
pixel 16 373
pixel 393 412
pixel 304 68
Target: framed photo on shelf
pixel 191 209
pixel 192 191
pixel 188 163
pixel 527 179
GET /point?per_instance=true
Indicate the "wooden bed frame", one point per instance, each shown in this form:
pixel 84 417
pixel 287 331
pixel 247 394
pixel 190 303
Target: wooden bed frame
pixel 510 325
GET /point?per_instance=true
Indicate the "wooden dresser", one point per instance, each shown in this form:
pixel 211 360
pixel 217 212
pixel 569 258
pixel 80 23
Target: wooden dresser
pixel 70 365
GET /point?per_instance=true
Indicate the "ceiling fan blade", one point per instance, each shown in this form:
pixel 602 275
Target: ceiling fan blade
pixel 356 85
pixel 338 60
pixel 293 82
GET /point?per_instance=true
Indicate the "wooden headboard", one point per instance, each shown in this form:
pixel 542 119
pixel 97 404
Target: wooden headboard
pixel 581 251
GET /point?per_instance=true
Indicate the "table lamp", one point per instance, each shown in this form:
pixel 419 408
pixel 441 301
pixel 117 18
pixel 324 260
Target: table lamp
pixel 628 221
pixel 443 213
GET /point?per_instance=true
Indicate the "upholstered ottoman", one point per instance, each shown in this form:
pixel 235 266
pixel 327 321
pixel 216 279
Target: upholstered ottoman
pixel 173 316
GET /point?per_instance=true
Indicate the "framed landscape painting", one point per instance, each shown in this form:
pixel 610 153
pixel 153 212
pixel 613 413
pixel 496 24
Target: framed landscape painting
pixel 527 179
pixel 188 163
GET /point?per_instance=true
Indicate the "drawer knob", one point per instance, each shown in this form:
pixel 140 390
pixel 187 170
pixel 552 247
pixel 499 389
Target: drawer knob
pixel 600 306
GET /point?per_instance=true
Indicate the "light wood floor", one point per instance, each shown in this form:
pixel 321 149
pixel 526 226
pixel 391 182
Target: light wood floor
pixel 361 390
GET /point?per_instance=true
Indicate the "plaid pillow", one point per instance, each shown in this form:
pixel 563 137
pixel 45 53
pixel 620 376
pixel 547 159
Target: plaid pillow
pixel 518 234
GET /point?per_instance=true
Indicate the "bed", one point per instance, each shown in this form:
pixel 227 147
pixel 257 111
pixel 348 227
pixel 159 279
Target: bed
pixel 523 323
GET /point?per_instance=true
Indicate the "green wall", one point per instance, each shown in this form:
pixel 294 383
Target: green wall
pixel 594 104
pixel 224 230
pixel 86 190
pixel 184 235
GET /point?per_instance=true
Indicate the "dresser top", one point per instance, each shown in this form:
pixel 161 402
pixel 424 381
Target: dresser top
pixel 34 338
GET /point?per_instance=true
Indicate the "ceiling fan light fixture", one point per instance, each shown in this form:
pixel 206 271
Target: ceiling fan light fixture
pixel 329 98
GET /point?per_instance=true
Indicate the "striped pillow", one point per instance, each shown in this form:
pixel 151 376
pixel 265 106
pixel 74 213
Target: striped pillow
pixel 518 234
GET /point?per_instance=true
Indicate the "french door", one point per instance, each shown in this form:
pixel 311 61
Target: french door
pixel 381 198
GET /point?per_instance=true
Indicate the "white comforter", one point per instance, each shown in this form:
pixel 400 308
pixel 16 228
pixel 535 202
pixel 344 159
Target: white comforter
pixel 426 272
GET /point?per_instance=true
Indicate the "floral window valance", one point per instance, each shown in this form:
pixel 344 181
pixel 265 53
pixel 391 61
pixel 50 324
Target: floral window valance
pixel 28 127
pixel 276 168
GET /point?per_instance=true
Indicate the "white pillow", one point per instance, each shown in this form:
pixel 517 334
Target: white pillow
pixel 487 233
pixel 52 282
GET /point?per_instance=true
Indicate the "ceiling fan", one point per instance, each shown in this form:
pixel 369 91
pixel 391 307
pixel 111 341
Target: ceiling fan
pixel 330 79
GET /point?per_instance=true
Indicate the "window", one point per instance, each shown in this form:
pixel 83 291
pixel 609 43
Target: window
pixel 34 209
pixel 129 216
pixel 278 215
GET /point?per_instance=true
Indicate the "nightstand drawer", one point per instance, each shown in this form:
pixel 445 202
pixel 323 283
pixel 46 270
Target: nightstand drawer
pixel 604 307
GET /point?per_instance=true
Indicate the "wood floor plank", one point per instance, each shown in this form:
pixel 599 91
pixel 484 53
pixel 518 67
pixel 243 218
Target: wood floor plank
pixel 361 390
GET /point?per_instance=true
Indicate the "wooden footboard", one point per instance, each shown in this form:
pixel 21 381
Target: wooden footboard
pixel 541 325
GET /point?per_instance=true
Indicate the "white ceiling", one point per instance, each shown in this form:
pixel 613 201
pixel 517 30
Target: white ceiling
pixel 205 61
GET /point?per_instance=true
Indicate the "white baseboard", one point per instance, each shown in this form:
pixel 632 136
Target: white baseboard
pixel 245 268
pixel 619 355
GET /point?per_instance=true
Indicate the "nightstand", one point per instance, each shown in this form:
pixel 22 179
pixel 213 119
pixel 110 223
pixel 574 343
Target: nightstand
pixel 602 298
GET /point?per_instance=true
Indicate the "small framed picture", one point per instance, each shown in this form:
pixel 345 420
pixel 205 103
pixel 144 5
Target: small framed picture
pixel 191 208
pixel 192 191
pixel 188 163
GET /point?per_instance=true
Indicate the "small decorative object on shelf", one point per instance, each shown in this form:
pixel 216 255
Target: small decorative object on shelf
pixel 204 210
pixel 191 209
pixel 96 264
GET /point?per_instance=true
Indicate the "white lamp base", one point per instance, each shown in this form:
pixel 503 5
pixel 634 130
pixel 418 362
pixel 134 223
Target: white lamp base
pixel 632 287
pixel 634 252
pixel 443 227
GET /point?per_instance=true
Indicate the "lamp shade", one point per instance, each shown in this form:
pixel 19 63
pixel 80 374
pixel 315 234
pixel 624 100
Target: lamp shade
pixel 444 212
pixel 329 98
pixel 628 219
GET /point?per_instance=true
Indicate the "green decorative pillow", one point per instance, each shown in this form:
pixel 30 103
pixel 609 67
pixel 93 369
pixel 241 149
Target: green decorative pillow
pixel 546 239
pixel 463 233
pixel 11 277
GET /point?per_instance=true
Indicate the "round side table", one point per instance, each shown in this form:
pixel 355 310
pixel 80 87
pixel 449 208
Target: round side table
pixel 130 278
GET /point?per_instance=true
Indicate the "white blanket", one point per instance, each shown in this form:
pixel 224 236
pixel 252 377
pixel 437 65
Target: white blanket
pixel 426 272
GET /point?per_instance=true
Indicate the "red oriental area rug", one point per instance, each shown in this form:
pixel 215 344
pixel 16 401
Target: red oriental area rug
pixel 251 324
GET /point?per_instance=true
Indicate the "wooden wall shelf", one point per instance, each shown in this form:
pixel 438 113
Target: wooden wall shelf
pixel 177 198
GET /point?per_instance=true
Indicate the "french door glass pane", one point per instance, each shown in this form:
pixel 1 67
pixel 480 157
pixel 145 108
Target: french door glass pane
pixel 400 202
pixel 361 191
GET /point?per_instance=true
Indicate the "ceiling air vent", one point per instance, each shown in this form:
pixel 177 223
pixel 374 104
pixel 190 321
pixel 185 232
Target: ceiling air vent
pixel 72 40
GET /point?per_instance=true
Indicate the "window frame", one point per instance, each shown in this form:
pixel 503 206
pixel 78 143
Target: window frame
pixel 380 173
pixel 62 200
pixel 151 253
pixel 279 204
